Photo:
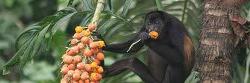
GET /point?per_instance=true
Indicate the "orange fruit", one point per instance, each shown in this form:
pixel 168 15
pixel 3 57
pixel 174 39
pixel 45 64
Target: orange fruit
pixel 63 80
pixel 80 45
pixel 86 81
pixel 98 76
pixel 74 81
pixel 71 52
pixel 87 67
pixel 70 73
pixel 67 76
pixel 99 69
pixel 100 56
pixel 77 36
pixel 101 44
pixel 84 76
pixel 64 70
pixel 77 59
pixel 153 34
pixel 93 82
pixel 76 76
pixel 95 76
pixel 78 71
pixel 71 66
pixel 85 40
pixel 78 29
pixel 75 49
pixel 73 41
pixel 68 59
pixel 92 27
pixel 93 65
pixel 94 45
pixel 87 53
pixel 97 61
pixel 94 50
pixel 80 81
pixel 80 65
pixel 86 33
pixel 65 65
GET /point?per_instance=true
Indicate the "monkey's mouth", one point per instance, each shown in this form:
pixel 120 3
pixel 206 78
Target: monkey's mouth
pixel 153 31
pixel 153 34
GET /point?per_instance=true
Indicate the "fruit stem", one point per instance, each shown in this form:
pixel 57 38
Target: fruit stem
pixel 99 8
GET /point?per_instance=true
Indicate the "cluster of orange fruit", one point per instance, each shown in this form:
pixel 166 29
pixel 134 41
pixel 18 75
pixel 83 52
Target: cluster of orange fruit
pixel 81 62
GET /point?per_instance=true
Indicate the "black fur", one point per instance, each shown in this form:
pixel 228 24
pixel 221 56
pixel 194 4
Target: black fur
pixel 165 54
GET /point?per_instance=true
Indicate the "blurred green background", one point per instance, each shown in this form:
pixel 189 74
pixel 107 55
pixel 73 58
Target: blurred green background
pixel 35 33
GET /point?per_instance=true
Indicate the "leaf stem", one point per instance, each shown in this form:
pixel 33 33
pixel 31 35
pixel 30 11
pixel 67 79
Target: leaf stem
pixel 247 69
pixel 99 8
pixel 184 10
pixel 159 5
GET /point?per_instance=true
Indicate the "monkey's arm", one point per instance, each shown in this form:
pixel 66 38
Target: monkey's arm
pixel 132 64
pixel 126 47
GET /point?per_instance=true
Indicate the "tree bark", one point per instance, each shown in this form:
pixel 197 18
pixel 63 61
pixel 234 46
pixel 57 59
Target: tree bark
pixel 219 38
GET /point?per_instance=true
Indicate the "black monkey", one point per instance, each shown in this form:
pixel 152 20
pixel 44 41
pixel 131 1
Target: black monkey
pixel 170 56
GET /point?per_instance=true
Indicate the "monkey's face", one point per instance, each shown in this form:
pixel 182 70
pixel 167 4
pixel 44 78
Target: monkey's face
pixel 154 22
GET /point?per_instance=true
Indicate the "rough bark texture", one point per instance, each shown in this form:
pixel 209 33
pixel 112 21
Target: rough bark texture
pixel 218 40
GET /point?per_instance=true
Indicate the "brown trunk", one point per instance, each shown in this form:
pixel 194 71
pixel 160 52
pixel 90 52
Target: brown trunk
pixel 218 41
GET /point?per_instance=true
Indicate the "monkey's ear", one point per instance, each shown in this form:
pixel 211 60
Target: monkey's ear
pixel 188 52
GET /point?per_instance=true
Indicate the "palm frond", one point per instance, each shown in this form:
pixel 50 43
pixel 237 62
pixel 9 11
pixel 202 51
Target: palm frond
pixel 34 40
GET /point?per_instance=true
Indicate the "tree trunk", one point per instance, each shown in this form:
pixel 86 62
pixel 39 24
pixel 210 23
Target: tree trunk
pixel 219 38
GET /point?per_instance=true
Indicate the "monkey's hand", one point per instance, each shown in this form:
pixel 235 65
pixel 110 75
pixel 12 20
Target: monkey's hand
pixel 144 36
pixel 98 36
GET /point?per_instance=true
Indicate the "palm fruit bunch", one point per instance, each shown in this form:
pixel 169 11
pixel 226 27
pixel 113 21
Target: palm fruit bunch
pixel 81 61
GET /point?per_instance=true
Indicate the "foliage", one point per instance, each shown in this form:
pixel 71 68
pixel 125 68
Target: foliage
pixel 120 20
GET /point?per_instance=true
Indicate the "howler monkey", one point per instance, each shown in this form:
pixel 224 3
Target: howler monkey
pixel 170 56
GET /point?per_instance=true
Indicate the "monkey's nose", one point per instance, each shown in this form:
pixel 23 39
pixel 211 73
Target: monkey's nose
pixel 153 29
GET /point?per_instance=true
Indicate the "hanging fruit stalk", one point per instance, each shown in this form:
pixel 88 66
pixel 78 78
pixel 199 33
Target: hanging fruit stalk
pixel 81 61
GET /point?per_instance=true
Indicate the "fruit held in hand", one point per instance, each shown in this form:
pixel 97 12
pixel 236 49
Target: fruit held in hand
pixel 153 34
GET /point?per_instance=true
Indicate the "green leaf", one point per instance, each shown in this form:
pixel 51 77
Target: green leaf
pixel 193 77
pixel 4 44
pixel 127 5
pixel 33 40
pixel 159 5
pixel 87 5
pixel 246 80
